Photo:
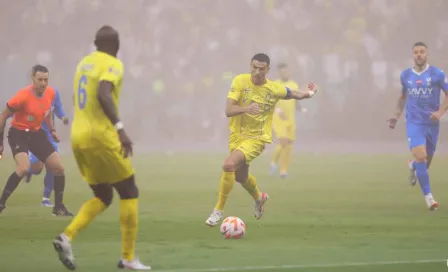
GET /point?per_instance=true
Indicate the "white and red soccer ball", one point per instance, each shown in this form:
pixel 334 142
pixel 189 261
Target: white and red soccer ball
pixel 233 228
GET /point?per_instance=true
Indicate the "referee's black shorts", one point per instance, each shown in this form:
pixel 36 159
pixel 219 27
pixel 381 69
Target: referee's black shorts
pixel 35 141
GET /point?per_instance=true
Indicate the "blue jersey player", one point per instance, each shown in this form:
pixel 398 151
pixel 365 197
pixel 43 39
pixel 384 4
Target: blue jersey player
pixel 36 165
pixel 421 89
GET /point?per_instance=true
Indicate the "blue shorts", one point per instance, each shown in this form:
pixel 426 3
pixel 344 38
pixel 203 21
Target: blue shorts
pixel 426 135
pixel 34 159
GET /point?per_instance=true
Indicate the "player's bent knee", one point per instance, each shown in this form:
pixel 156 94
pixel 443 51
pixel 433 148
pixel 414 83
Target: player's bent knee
pixel 127 189
pixel 229 166
pixel 22 169
pixel 103 192
pixel 36 168
pixel 53 163
pixel 242 174
pixel 419 153
pixel 57 170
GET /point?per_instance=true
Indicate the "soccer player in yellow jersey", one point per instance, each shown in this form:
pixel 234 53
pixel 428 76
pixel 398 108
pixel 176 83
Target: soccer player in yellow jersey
pixel 284 123
pixel 250 106
pixel 102 149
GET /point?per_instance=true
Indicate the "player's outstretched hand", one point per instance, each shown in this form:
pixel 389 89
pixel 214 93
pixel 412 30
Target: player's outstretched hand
pixel 126 143
pixel 312 87
pixel 392 122
pixel 55 136
pixel 253 109
pixel 436 116
pixel 65 120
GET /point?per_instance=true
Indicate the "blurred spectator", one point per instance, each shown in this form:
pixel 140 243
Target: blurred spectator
pixel 180 57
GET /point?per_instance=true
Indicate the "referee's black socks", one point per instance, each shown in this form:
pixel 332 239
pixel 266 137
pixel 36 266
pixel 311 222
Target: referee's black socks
pixel 59 186
pixel 11 185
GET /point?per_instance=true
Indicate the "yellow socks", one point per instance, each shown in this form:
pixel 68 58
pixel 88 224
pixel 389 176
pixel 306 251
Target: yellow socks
pixel 225 187
pixel 286 158
pixel 128 221
pixel 251 187
pixel 129 227
pixel 86 214
pixel 277 153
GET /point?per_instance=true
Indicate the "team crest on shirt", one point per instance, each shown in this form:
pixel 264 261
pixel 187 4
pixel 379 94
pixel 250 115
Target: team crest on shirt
pixel 114 71
pixel 428 81
pixel 30 118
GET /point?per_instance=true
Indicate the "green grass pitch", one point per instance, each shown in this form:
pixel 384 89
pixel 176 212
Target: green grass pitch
pixel 334 213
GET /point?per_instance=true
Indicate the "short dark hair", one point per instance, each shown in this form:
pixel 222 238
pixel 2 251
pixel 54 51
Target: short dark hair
pixel 38 68
pixel 419 44
pixel 282 65
pixel 262 57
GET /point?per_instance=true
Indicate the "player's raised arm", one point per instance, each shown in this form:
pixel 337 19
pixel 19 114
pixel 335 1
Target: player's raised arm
pixel 299 95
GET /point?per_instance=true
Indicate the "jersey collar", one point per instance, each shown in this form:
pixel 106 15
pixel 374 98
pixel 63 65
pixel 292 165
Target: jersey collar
pixel 420 73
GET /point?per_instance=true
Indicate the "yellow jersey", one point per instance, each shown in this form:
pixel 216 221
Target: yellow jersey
pixel 288 107
pixel 90 125
pixel 245 93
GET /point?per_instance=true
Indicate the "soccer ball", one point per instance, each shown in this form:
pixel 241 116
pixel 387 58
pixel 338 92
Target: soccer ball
pixel 233 228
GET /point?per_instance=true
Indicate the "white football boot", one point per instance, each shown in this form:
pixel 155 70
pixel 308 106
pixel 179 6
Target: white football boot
pixel 430 201
pixel 259 205
pixel 214 218
pixel 133 265
pixel 412 173
pixel 64 249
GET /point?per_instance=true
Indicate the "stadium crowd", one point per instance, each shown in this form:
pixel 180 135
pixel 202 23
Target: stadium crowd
pixel 180 56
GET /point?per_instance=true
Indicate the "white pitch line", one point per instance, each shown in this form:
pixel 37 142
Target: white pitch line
pixel 299 266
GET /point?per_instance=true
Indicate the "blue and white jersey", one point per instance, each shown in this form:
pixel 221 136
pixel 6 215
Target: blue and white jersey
pixel 422 90
pixel 57 110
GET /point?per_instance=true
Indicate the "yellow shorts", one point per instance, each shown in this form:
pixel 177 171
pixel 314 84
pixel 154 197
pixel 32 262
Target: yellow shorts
pixel 102 165
pixel 284 130
pixel 251 148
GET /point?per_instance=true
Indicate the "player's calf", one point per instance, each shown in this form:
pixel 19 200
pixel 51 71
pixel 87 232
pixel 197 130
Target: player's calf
pixel 53 164
pixel 22 165
pixel 128 192
pixel 421 171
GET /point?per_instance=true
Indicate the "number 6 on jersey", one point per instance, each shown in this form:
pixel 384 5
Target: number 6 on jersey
pixel 82 94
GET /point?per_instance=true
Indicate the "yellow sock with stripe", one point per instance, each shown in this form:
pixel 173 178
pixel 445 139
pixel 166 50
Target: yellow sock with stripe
pixel 225 187
pixel 129 227
pixel 277 154
pixel 251 187
pixel 86 214
pixel 286 158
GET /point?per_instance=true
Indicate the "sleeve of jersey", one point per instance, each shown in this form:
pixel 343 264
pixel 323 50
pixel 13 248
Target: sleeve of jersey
pixel 444 80
pixel 16 102
pixel 113 74
pixel 235 90
pixel 403 86
pixel 283 92
pixel 58 108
